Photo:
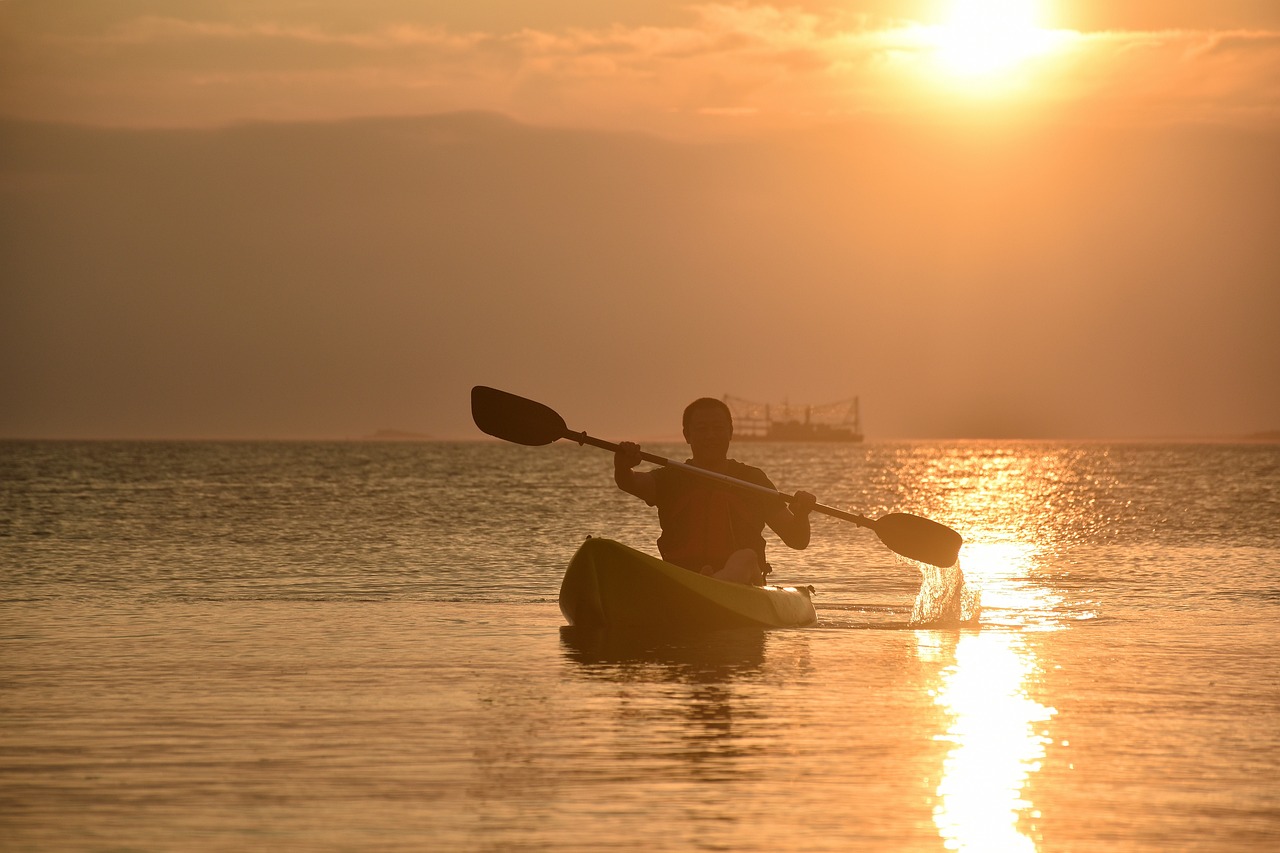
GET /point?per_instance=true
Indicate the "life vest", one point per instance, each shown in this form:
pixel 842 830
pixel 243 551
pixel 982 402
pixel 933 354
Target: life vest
pixel 703 521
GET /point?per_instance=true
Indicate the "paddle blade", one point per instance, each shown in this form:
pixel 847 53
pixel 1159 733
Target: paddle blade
pixel 920 539
pixel 513 418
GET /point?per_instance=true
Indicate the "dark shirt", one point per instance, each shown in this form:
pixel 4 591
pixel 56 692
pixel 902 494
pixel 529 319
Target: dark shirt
pixel 704 521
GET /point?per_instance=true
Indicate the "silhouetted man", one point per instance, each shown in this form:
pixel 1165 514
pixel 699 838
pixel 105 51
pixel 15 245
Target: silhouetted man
pixel 710 527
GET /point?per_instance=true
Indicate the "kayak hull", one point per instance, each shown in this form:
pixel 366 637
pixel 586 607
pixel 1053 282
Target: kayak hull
pixel 609 585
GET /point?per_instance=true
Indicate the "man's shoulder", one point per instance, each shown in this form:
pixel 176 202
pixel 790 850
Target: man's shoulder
pixel 666 472
pixel 750 473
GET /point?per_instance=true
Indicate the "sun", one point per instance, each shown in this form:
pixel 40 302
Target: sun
pixel 986 38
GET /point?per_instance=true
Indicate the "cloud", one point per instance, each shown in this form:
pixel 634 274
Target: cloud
pixel 1188 75
pixel 778 66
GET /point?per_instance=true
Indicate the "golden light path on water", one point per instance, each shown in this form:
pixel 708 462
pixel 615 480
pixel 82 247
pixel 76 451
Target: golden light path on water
pixel 998 732
pixel 997 739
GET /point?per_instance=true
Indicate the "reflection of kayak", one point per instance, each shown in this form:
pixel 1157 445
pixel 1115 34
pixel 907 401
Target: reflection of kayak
pixel 610 585
pixel 710 656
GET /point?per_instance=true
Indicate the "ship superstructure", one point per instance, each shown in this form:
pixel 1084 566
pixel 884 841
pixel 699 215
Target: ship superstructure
pixel 754 421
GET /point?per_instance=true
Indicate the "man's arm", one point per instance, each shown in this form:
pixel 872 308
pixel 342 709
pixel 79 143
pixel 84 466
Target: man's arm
pixel 791 523
pixel 638 483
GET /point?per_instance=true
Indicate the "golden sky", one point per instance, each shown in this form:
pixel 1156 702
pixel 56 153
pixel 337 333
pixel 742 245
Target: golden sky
pixel 986 217
pixel 669 67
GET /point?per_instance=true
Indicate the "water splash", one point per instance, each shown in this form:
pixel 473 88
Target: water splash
pixel 945 600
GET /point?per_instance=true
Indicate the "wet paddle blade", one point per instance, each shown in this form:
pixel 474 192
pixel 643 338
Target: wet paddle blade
pixel 515 419
pixel 920 539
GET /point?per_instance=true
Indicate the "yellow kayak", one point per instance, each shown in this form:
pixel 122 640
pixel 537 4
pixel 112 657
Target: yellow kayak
pixel 608 584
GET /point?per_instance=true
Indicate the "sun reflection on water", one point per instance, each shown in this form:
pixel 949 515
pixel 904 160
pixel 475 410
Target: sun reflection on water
pixel 1021 508
pixel 998 738
pixel 1004 571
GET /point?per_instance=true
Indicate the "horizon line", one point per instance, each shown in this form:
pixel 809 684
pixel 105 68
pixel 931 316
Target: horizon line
pixel 1258 437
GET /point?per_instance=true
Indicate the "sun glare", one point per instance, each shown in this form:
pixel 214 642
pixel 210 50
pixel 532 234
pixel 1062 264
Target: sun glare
pixel 981 39
pixel 999 735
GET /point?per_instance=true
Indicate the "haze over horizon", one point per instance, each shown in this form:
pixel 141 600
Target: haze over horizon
pixel 273 221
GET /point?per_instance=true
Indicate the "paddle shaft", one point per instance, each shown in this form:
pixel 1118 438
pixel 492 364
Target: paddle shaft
pixel 583 438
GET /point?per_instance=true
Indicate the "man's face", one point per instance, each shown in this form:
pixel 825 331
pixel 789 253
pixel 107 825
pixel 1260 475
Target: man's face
pixel 708 433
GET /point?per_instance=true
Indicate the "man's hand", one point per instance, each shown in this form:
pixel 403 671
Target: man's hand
pixel 627 456
pixel 802 504
pixel 638 483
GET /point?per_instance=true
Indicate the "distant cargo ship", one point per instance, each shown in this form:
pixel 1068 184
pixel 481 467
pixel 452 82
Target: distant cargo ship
pixel 786 422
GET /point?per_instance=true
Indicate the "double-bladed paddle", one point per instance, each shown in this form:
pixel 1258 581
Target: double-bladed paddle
pixel 522 421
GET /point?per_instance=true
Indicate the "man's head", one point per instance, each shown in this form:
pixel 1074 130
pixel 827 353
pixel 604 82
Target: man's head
pixel 708 427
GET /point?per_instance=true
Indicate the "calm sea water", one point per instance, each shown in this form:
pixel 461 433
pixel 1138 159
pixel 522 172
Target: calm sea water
pixel 348 646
